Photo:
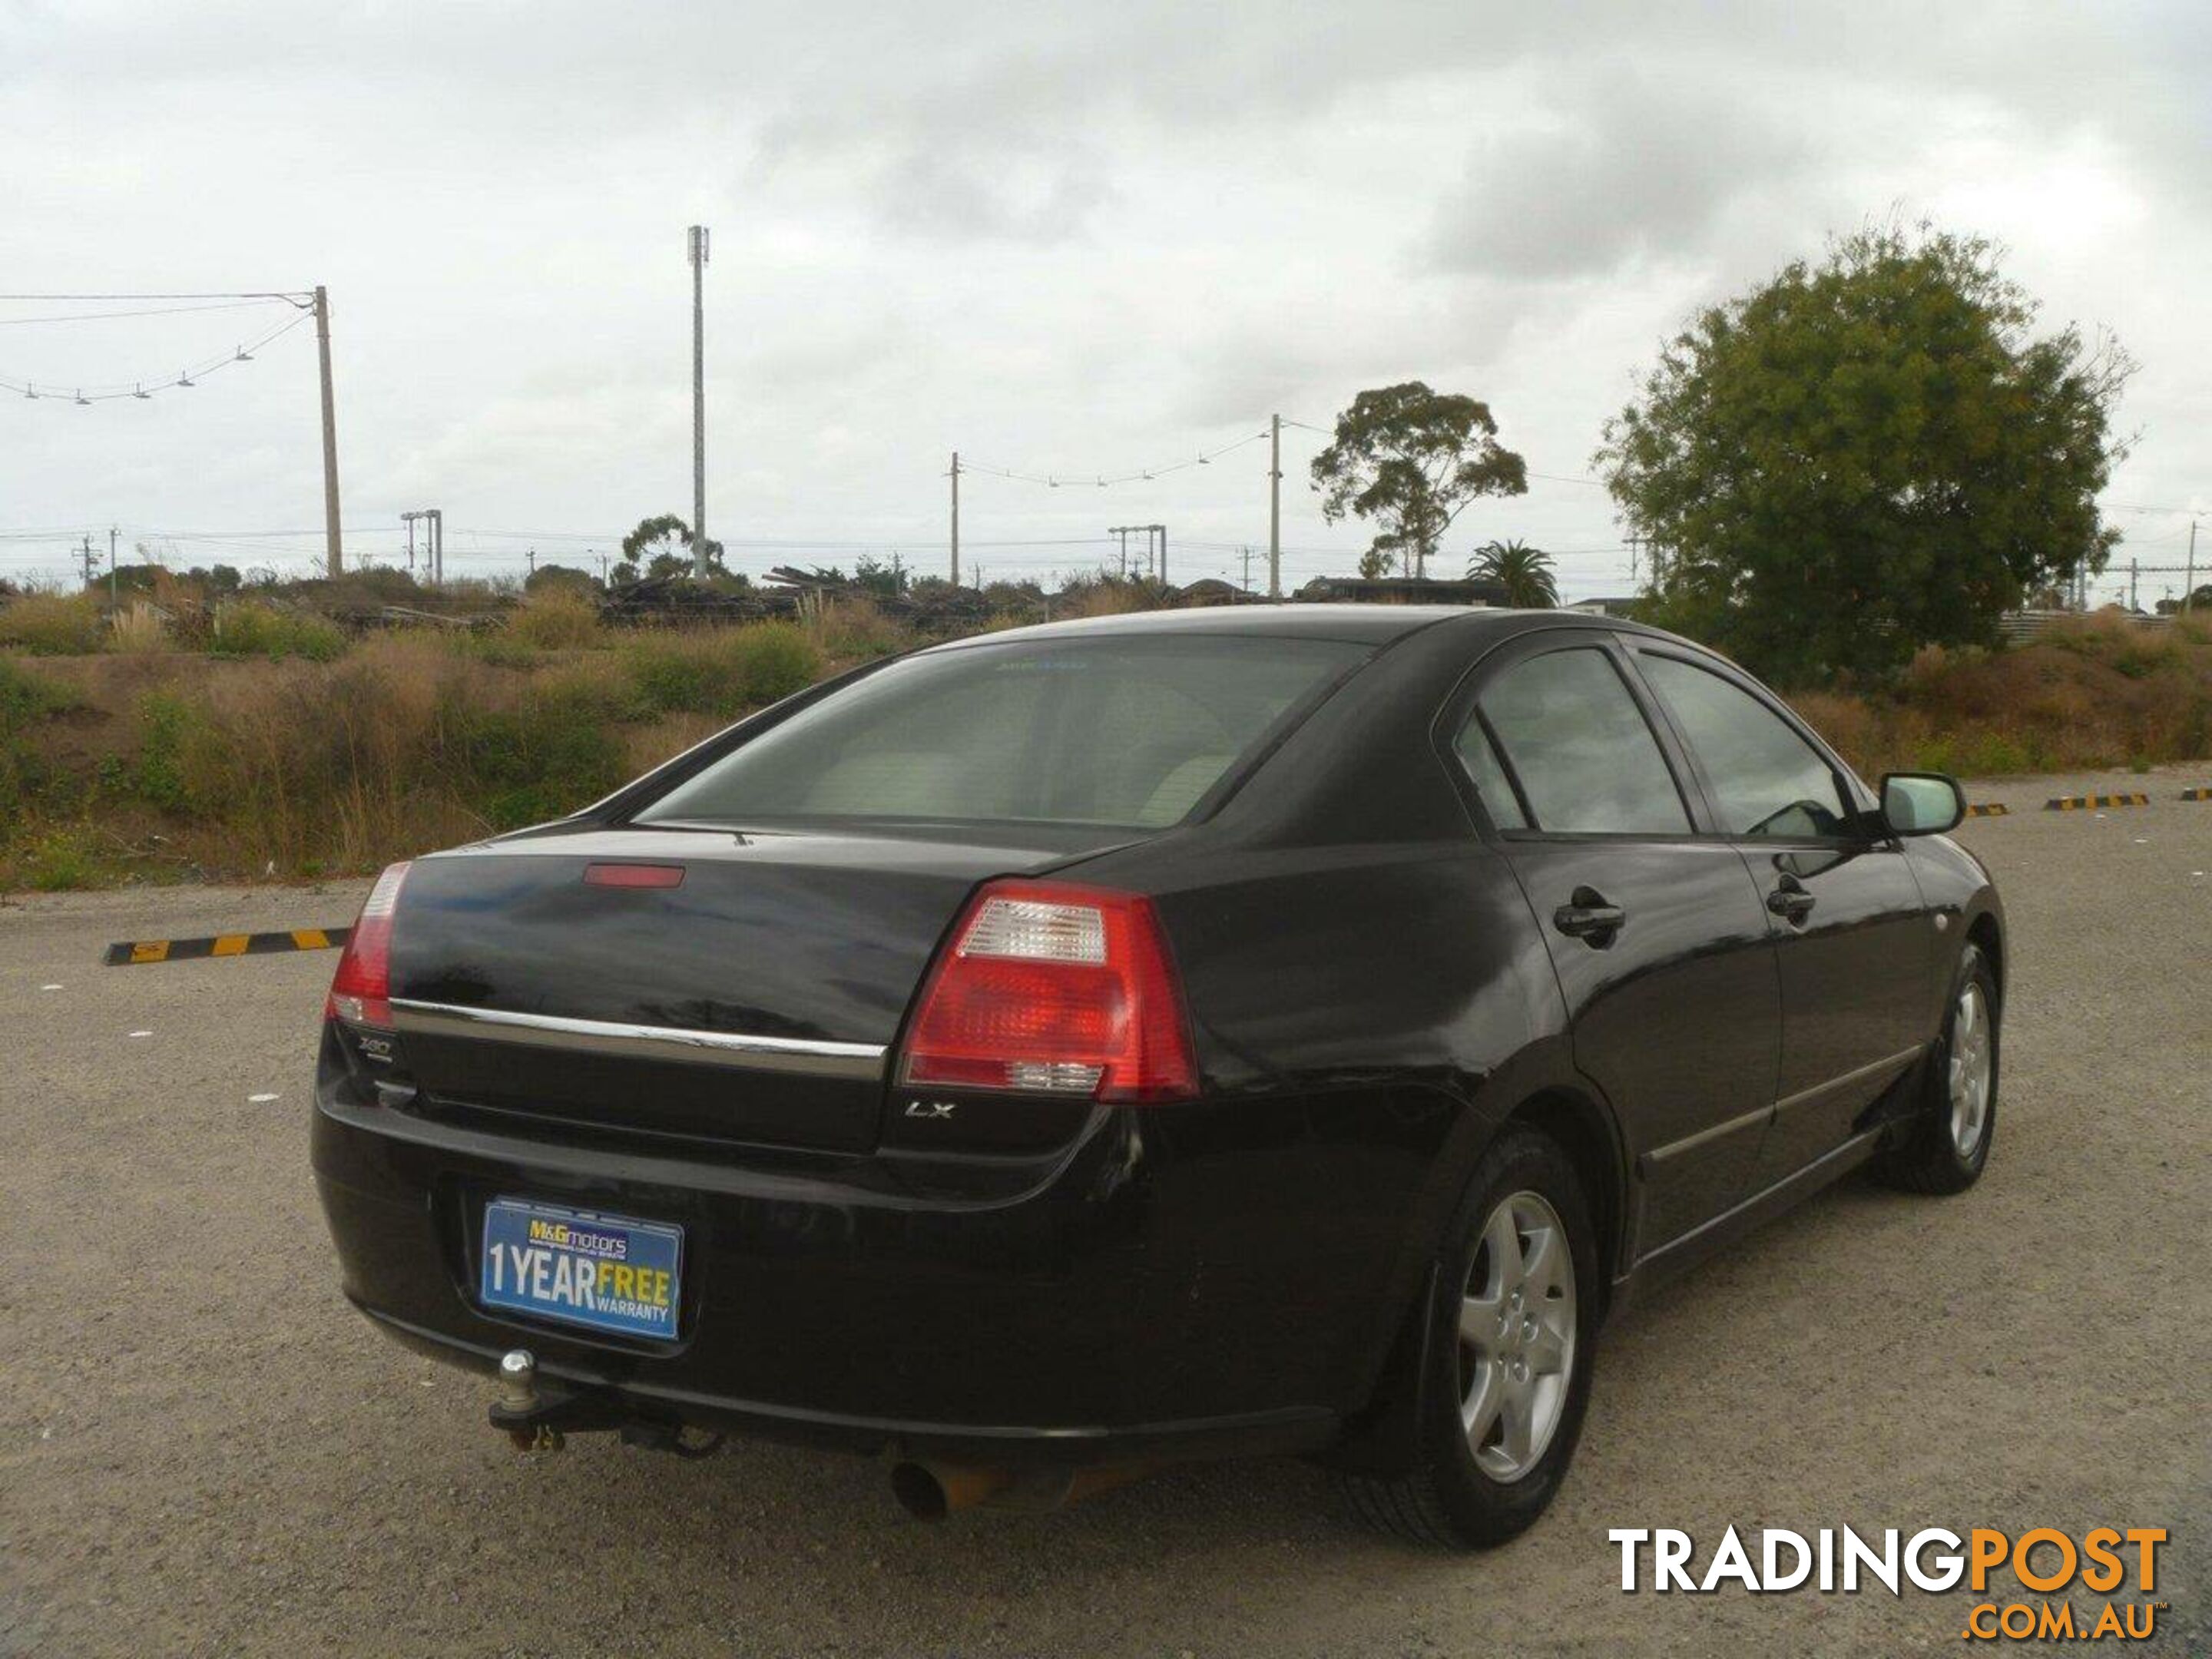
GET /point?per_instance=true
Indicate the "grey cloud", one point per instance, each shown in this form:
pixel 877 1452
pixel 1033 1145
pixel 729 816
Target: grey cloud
pixel 1634 167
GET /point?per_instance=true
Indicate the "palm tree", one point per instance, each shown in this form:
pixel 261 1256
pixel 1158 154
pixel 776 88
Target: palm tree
pixel 1524 572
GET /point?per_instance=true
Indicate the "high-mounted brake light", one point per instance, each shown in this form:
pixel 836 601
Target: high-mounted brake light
pixel 1052 988
pixel 634 875
pixel 361 990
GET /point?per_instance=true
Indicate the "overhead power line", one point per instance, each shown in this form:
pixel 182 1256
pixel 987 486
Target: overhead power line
pixel 1087 480
pixel 154 311
pixel 298 296
pixel 191 375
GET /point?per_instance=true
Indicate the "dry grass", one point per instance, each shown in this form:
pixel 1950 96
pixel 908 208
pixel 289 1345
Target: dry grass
pixel 2092 695
pixel 137 629
pixel 143 761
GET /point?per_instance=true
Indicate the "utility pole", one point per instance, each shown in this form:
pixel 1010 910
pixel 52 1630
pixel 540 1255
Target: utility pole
pixel 530 561
pixel 1160 564
pixel 110 567
pixel 956 518
pixel 1274 508
pixel 698 246
pixel 434 553
pixel 2189 582
pixel 333 554
pixel 91 564
pixel 1247 567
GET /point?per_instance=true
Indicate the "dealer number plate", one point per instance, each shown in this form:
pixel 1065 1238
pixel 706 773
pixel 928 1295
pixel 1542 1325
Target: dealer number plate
pixel 601 1272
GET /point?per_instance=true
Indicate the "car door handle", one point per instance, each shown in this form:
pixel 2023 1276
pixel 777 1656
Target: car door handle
pixel 1790 900
pixel 1587 916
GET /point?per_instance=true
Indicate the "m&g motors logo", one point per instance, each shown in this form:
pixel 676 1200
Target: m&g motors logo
pixel 2020 1574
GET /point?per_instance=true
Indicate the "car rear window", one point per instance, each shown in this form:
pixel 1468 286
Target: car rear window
pixel 1119 732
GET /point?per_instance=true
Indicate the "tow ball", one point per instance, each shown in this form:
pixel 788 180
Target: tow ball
pixel 518 1410
pixel 541 1418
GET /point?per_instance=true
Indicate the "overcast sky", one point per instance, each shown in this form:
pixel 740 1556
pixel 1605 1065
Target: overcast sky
pixel 1062 239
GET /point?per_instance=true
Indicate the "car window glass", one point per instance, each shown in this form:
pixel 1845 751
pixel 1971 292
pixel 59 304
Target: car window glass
pixel 1586 759
pixel 1128 732
pixel 1480 759
pixel 1766 779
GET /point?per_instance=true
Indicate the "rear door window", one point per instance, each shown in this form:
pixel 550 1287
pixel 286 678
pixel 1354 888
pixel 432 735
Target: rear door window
pixel 1764 779
pixel 1584 755
pixel 1119 733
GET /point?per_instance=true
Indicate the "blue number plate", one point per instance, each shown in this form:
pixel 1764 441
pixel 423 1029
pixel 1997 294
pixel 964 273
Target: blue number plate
pixel 599 1271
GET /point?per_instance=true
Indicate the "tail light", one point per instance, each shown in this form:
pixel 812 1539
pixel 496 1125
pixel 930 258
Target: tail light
pixel 1054 989
pixel 361 990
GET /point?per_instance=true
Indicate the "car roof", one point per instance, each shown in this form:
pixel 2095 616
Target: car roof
pixel 1362 625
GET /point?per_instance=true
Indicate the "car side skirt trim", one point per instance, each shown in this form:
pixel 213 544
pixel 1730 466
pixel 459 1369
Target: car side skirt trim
pixel 1886 1068
pixel 1753 1119
pixel 860 1061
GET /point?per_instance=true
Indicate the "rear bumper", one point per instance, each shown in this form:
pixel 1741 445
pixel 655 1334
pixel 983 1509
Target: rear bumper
pixel 1199 1280
pixel 1291 1429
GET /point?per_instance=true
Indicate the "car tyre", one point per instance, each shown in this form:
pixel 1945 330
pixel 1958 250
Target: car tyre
pixel 1946 1143
pixel 1512 1320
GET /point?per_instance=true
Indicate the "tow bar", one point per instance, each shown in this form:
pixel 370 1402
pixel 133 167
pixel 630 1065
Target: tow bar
pixel 541 1418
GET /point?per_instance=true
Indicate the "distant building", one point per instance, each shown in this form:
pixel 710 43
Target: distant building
pixel 1609 607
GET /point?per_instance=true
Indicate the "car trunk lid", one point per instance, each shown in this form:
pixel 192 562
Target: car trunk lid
pixel 687 985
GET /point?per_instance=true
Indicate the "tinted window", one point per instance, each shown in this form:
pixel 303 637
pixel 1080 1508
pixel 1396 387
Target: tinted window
pixel 1490 783
pixel 1767 779
pixel 1127 734
pixel 1587 762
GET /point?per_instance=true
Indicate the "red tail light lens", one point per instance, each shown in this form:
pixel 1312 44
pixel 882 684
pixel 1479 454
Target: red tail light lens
pixel 1054 989
pixel 361 990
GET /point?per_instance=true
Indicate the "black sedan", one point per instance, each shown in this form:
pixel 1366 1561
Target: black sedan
pixel 1274 1029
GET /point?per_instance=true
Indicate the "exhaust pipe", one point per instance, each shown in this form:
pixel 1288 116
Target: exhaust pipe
pixel 929 1489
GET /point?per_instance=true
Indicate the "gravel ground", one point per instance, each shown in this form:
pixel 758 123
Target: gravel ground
pixel 202 1451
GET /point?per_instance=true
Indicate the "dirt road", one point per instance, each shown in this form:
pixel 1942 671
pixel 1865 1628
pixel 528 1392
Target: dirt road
pixel 204 1451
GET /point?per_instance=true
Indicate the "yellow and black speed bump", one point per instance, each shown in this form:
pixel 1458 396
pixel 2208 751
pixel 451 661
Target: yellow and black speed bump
pixel 1988 809
pixel 130 952
pixel 2199 793
pixel 2083 803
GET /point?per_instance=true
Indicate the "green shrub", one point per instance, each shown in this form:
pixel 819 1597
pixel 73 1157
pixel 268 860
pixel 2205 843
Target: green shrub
pixel 250 628
pixel 555 618
pixel 26 696
pixel 26 699
pixel 164 721
pixel 58 861
pixel 52 624
pixel 779 661
pixel 725 671
pixel 558 750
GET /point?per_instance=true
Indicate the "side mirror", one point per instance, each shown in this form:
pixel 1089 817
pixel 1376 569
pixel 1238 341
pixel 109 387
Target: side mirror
pixel 1922 803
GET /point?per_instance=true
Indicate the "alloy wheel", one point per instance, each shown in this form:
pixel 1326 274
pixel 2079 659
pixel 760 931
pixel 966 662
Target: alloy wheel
pixel 1973 1056
pixel 1516 1336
